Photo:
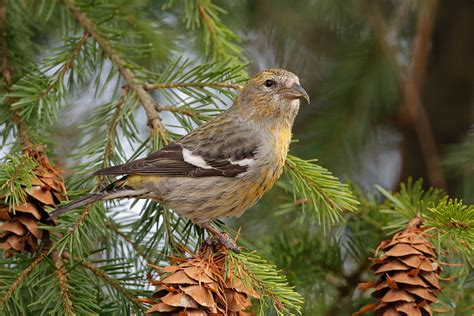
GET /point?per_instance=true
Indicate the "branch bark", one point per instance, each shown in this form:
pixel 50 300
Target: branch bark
pixel 63 284
pixel 146 100
pixel 21 277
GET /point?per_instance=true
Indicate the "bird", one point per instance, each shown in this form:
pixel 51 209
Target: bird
pixel 221 168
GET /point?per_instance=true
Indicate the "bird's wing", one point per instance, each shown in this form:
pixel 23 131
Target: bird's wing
pixel 194 157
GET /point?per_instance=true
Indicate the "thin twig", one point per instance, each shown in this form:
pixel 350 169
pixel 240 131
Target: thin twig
pixel 22 128
pixel 21 277
pixel 114 228
pixel 63 284
pixel 67 65
pixel 183 111
pixel 169 230
pixel 410 78
pixel 201 85
pixel 210 28
pixel 80 220
pixel 112 129
pixel 101 274
pixel 145 99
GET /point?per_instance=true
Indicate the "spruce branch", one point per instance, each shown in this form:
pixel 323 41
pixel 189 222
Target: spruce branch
pixel 115 228
pixel 16 175
pixel 112 129
pixel 316 185
pixel 81 219
pixel 410 201
pixel 454 222
pixel 37 94
pixel 217 36
pixel 264 277
pixel 21 277
pixel 7 76
pixel 66 66
pixel 198 83
pixel 63 283
pixel 81 235
pixel 450 219
pixel 210 27
pixel 148 103
pixel 104 276
pixel 21 126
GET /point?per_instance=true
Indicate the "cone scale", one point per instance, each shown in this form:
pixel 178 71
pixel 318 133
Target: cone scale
pixel 19 230
pixel 408 273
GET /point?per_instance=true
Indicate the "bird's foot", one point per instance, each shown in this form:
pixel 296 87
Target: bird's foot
pixel 219 239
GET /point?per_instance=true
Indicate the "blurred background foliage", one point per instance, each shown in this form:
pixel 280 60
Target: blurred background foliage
pixel 391 84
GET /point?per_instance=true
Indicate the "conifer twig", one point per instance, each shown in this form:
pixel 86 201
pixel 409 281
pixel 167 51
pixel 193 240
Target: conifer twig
pixel 210 28
pixel 21 277
pixel 68 63
pixel 81 219
pixel 181 110
pixel 16 118
pixel 200 85
pixel 101 274
pixel 146 100
pixel 113 227
pixel 7 76
pixel 63 284
pixel 112 128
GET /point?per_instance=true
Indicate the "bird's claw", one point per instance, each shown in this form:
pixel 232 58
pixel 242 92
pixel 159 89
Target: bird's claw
pixel 221 240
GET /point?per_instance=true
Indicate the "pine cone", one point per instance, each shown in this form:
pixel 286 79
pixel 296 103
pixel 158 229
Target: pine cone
pixel 408 275
pixel 19 230
pixel 200 286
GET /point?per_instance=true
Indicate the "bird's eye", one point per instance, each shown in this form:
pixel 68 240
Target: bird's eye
pixel 269 83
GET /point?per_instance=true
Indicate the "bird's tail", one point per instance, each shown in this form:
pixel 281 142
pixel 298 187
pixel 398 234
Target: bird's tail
pixel 85 200
pixel 117 189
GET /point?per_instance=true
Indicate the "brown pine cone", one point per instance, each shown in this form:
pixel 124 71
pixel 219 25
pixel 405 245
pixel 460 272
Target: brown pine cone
pixel 200 286
pixel 20 229
pixel 408 275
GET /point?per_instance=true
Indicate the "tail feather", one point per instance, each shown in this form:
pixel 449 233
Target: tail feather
pixel 87 199
pixel 115 190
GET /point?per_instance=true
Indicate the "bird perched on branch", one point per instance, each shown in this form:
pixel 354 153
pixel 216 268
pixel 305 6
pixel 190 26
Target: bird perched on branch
pixel 222 168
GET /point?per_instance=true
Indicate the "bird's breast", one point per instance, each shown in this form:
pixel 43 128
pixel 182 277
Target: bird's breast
pixel 272 161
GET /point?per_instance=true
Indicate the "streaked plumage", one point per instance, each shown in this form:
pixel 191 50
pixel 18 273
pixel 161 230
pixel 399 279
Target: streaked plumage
pixel 223 167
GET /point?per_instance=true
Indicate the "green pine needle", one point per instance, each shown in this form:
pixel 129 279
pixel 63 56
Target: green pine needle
pixel 16 174
pixel 272 286
pixel 317 187
pixel 450 220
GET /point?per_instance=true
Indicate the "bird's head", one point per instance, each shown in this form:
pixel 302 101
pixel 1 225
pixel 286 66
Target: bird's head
pixel 272 92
